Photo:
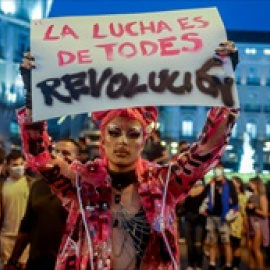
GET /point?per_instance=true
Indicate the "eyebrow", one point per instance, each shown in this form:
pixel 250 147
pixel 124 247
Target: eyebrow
pixel 115 126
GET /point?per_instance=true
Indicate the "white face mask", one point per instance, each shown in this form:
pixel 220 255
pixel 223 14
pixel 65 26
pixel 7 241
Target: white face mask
pixel 17 171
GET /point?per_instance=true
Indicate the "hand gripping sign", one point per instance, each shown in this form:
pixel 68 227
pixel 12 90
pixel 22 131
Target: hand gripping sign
pixel 92 63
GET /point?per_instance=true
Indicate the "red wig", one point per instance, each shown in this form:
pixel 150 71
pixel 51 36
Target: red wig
pixel 145 115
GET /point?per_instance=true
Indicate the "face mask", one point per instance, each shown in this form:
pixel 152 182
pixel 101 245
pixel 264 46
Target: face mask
pixel 17 171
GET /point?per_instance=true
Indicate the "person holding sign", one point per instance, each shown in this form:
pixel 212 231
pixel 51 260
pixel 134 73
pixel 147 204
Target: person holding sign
pixel 122 207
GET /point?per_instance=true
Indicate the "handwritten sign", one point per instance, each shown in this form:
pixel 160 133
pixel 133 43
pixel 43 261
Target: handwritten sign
pixel 94 63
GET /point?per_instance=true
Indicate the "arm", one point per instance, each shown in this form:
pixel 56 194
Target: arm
pixel 37 145
pixel 205 154
pixel 263 210
pixel 22 241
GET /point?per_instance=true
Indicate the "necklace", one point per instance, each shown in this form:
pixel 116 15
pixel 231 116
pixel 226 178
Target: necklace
pixel 133 225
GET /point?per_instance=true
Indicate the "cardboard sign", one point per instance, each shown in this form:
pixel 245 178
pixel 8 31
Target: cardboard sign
pixel 95 63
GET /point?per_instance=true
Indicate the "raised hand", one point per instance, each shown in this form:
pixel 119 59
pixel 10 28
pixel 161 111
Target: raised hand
pixel 26 66
pixel 227 48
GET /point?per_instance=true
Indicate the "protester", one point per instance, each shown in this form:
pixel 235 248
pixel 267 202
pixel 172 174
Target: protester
pixel 238 227
pixel 121 207
pixel 182 147
pixel 2 159
pixel 258 229
pixel 14 196
pixel 44 221
pixel 222 208
pixel 267 249
pixel 155 151
pixel 195 225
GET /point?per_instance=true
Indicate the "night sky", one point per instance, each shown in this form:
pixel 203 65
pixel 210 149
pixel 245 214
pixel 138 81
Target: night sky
pixel 243 15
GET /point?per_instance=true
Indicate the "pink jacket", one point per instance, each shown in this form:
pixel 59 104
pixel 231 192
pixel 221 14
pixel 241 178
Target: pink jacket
pixel 87 234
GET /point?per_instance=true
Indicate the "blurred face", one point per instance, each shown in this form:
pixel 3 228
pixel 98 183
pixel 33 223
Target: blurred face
pixel 123 143
pixel 219 173
pixel 16 168
pixel 66 150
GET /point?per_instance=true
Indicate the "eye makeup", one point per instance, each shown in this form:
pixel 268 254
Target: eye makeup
pixel 131 133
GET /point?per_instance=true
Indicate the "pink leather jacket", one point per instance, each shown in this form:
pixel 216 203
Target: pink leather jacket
pixel 85 191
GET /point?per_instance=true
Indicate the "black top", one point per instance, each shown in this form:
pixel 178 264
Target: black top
pixel 44 220
pixel 193 203
pixel 217 209
pixel 233 198
pixel 192 206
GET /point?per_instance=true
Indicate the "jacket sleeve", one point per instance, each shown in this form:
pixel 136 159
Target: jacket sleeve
pixel 37 150
pixel 205 153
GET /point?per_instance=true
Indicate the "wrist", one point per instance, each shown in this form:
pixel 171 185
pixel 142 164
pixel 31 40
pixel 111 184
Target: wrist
pixel 12 262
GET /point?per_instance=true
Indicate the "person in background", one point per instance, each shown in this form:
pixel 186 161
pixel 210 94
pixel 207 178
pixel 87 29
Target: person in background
pixel 182 147
pixel 222 208
pixel 44 221
pixel 2 159
pixel 84 155
pixel 238 227
pixel 2 167
pixel 156 152
pixel 258 228
pixel 2 163
pixel 195 225
pixel 14 196
pixel 267 249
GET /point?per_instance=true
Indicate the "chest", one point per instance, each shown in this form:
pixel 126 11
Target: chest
pixel 15 191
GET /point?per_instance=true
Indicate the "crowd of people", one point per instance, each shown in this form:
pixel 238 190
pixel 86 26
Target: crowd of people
pixel 224 220
pixel 219 219
pixel 61 211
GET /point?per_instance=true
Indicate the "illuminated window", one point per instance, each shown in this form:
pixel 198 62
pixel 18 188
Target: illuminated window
pixel 8 7
pixel 187 128
pixel 251 129
pixel 36 13
pixel 266 51
pixel 267 130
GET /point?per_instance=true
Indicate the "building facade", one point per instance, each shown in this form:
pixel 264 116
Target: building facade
pixel 176 123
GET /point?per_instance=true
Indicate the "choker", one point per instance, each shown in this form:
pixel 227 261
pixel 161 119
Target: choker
pixel 123 180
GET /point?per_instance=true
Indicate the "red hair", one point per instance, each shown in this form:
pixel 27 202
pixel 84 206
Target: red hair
pixel 145 115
